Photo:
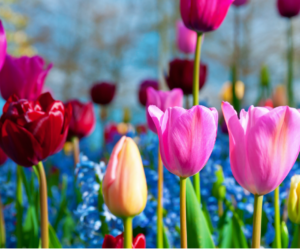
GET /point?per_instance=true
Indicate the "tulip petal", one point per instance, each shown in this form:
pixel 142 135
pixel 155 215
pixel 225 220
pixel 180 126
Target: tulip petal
pixel 193 132
pixel 275 144
pixel 139 241
pixel 3 45
pixel 20 145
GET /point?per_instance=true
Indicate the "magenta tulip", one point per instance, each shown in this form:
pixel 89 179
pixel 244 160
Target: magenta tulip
pixel 3 45
pixel 186 137
pixel 163 100
pixel 23 77
pixel 239 3
pixel 288 8
pixel 264 145
pixel 186 38
pixel 204 15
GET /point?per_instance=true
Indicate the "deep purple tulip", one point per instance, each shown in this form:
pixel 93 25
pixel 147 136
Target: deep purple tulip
pixel 3 45
pixel 181 75
pixel 143 90
pixel 103 93
pixel 3 157
pixel 288 8
pixel 186 38
pixel 30 131
pixel 204 15
pixel 239 3
pixel 23 77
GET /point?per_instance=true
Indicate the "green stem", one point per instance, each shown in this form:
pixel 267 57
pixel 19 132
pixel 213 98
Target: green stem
pixel 76 150
pixel 290 65
pixel 2 227
pixel 277 218
pixel 160 236
pixel 43 204
pixel 19 207
pixel 196 78
pixel 127 232
pixel 183 232
pixel 298 236
pixel 258 201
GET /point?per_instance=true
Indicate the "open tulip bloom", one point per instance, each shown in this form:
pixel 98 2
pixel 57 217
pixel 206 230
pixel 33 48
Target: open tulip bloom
pixel 264 144
pixel 186 141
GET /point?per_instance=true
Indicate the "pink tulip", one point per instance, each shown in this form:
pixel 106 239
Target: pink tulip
pixel 204 15
pixel 24 77
pixel 186 137
pixel 163 100
pixel 264 145
pixel 239 3
pixel 3 45
pixel 288 8
pixel 186 38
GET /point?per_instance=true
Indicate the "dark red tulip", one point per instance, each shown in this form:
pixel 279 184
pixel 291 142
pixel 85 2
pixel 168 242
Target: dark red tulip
pixel 33 130
pixel 239 3
pixel 3 157
pixel 117 242
pixel 142 90
pixel 288 8
pixel 83 119
pixel 204 15
pixel 23 77
pixel 103 93
pixel 181 75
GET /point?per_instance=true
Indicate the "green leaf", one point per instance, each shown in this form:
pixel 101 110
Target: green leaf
pixel 166 241
pixel 239 239
pixel 295 237
pixel 53 240
pixel 284 235
pixel 226 234
pixel 198 234
pixel 31 229
pixel 207 216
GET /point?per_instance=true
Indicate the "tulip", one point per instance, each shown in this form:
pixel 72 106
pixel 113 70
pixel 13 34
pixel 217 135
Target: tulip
pixel 288 8
pixel 117 242
pixel 103 93
pixel 3 45
pixel 143 90
pixel 186 39
pixel 124 185
pixel 294 200
pixel 186 137
pixel 264 144
pixel 204 15
pixel 186 140
pixel 181 75
pixel 33 130
pixel 239 3
pixel 163 100
pixel 3 157
pixel 23 77
pixel 83 119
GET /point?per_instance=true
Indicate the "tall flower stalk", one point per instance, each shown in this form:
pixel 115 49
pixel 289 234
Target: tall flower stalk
pixel 183 232
pixel 19 207
pixel 290 49
pixel 258 201
pixel 39 168
pixel 277 218
pixel 2 227
pixel 196 78
pixel 160 225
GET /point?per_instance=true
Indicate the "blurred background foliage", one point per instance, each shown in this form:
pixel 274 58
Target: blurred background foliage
pixel 126 41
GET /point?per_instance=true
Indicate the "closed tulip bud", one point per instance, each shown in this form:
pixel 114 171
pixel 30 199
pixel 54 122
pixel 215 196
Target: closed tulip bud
pixel 181 75
pixel 23 77
pixel 124 184
pixel 288 8
pixel 103 93
pixel 239 3
pixel 186 137
pixel 83 119
pixel 264 144
pixel 204 15
pixel 186 38
pixel 3 45
pixel 143 90
pixel 294 200
pixel 117 242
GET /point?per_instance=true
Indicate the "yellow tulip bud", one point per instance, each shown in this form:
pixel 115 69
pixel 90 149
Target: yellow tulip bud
pixel 124 185
pixel 294 200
